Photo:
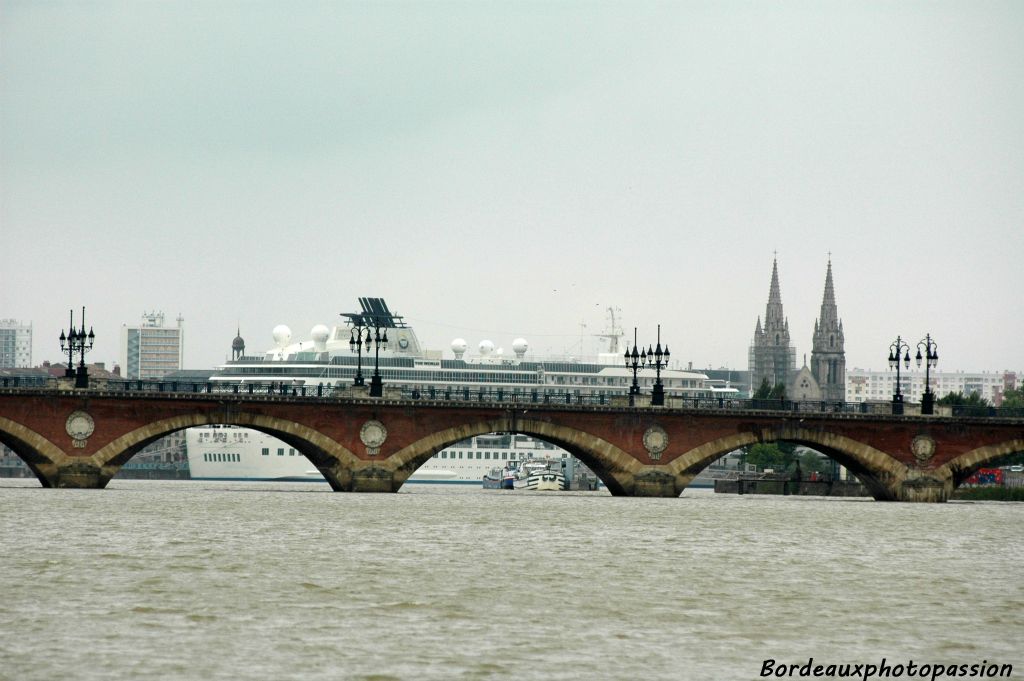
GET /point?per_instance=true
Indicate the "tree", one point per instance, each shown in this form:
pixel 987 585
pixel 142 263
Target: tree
pixel 957 399
pixel 764 391
pixel 1013 399
pixel 768 456
pixel 768 392
pixel 812 461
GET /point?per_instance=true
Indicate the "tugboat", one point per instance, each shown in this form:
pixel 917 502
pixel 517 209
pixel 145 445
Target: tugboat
pixel 499 478
pixel 538 475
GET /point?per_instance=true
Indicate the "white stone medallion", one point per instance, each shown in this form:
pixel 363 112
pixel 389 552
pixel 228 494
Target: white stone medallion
pixel 80 425
pixel 655 441
pixel 373 434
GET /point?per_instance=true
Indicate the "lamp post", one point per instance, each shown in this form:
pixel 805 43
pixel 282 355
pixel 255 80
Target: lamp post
pixel 659 360
pixel 379 341
pixel 635 361
pixel 931 357
pixel 895 349
pixel 77 341
pixel 355 344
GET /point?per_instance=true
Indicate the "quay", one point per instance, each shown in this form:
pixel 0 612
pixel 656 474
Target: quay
pixel 786 486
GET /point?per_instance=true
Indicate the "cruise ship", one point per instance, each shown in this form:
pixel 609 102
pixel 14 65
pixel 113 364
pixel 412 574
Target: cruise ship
pixel 333 358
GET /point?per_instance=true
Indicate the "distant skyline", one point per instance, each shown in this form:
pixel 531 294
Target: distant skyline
pixel 496 170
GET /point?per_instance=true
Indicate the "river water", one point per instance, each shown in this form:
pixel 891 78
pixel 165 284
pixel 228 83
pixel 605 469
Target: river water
pixel 190 580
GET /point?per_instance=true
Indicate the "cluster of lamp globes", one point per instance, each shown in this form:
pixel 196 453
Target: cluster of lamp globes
pixel 77 339
pixel 931 353
pixel 655 356
pixel 356 339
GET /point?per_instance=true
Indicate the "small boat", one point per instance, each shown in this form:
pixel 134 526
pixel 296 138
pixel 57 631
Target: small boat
pixel 499 478
pixel 539 474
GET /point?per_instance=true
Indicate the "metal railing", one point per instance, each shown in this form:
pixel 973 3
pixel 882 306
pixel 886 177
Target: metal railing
pixel 24 381
pixel 434 394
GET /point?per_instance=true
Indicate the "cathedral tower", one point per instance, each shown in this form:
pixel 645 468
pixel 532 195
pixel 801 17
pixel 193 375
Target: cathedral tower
pixel 828 356
pixel 771 354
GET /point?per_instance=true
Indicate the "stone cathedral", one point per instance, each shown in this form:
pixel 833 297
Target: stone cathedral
pixel 773 356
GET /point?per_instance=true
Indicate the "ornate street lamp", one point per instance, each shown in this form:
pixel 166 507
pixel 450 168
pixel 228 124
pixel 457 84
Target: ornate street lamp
pixel 379 342
pixel 931 357
pixel 355 344
pixel 659 360
pixel 77 341
pixel 635 361
pixel 367 333
pixel 895 349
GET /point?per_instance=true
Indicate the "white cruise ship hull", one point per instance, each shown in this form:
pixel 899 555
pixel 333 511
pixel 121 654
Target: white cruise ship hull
pixel 230 453
pixel 236 454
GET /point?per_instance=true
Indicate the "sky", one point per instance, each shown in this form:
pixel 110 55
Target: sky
pixel 498 170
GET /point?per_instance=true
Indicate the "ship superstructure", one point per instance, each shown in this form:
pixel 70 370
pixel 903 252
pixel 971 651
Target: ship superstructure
pixel 330 357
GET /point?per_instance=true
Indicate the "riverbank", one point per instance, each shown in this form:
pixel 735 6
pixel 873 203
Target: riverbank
pixel 992 493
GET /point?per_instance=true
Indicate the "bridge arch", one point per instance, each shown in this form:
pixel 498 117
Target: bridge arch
pixel 615 468
pixel 878 472
pixel 42 456
pixel 965 465
pixel 333 460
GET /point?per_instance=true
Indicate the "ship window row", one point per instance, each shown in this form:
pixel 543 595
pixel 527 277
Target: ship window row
pixel 505 456
pixel 393 375
pixel 221 456
pixel 457 380
pixel 280 451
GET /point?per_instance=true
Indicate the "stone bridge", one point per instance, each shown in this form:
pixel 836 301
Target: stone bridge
pixel 80 438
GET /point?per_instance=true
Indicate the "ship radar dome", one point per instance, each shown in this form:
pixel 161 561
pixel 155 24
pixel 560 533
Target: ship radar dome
pixel 238 346
pixel 459 346
pixel 486 347
pixel 520 346
pixel 282 335
pixel 320 334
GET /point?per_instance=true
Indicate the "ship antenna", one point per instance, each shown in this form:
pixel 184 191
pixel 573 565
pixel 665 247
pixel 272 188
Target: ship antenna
pixel 614 333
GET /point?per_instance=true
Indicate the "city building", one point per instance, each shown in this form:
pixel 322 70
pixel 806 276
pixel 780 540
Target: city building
pixel 151 350
pixel 15 344
pixel 864 385
pixel 773 357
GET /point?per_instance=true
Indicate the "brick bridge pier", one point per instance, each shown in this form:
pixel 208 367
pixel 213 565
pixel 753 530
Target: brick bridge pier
pixel 81 438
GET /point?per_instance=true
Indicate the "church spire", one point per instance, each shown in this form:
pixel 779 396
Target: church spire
pixel 774 310
pixel 828 318
pixel 829 299
pixel 828 355
pixel 776 326
pixel 772 357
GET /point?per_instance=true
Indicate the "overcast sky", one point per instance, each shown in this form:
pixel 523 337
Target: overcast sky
pixel 504 169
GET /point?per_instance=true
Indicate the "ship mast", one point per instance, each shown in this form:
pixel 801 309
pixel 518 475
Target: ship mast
pixel 614 332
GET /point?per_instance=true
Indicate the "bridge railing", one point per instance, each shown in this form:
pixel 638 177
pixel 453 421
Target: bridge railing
pixel 974 410
pixel 280 388
pixel 500 396
pixel 24 381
